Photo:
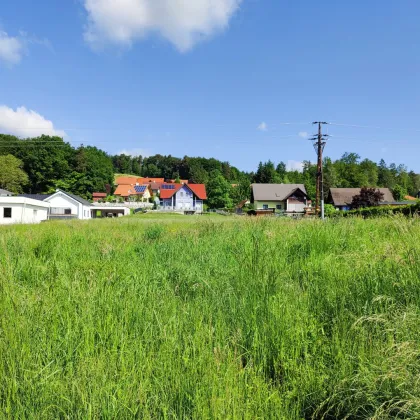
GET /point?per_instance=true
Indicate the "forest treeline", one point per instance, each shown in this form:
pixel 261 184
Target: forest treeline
pixel 45 163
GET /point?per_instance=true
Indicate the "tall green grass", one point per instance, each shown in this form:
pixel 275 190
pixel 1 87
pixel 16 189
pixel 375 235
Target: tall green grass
pixel 210 318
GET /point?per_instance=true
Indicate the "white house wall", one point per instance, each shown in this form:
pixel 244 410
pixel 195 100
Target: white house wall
pixel 60 201
pixel 25 211
pixel 184 199
pixel 296 207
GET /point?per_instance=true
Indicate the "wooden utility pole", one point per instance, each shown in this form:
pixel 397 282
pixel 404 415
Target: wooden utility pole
pixel 319 148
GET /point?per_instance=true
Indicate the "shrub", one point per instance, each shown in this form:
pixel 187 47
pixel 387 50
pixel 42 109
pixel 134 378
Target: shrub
pixel 329 210
pixel 380 211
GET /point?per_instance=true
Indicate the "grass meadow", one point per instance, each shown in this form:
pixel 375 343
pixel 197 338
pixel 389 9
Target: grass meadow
pixel 210 317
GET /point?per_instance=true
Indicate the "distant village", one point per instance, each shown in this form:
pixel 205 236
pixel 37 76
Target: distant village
pixel 139 194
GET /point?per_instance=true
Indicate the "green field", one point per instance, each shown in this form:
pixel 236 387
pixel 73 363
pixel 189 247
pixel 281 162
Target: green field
pixel 210 317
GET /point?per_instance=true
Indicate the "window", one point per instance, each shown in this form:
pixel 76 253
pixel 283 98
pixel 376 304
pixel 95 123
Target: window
pixel 278 207
pixel 182 194
pixel 35 213
pixel 265 206
pixel 7 212
pixel 67 211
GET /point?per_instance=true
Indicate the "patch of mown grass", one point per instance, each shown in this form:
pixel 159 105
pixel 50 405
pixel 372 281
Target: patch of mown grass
pixel 210 318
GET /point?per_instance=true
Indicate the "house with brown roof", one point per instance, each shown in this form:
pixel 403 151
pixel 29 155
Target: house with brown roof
pixel 341 198
pixel 186 197
pixel 289 198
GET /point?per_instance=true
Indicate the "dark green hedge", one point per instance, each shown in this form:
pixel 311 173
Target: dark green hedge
pixel 406 210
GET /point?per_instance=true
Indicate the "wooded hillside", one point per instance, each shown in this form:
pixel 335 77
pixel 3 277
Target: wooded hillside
pixel 51 163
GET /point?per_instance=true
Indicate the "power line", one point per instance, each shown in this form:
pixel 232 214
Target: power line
pixel 374 127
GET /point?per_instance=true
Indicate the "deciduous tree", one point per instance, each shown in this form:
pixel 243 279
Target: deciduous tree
pixel 12 177
pixel 218 191
pixel 368 197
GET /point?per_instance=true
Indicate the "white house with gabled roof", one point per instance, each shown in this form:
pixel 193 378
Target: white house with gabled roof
pixel 288 198
pixel 64 205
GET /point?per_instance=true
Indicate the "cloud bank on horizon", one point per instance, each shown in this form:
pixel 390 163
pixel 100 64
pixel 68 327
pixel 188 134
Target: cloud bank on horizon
pixel 26 123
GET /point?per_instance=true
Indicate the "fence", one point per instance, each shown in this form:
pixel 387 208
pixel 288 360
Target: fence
pixel 129 204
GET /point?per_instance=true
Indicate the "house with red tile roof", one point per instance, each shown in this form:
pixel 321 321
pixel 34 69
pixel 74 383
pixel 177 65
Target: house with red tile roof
pixel 133 192
pixel 126 180
pixel 145 180
pixel 97 196
pixel 183 197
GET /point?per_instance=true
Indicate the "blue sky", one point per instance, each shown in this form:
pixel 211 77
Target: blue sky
pixel 147 76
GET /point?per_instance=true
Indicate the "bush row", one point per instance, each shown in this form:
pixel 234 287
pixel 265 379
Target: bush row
pixel 408 210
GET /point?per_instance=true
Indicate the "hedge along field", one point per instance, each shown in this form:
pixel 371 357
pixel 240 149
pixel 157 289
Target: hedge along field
pixel 210 318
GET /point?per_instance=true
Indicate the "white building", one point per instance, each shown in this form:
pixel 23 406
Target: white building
pixel 22 210
pixel 5 193
pixel 68 206
pixel 34 208
pixel 107 210
pixel 287 198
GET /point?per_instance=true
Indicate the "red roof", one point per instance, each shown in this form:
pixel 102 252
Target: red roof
pixel 198 189
pixel 125 190
pixel 155 185
pixel 164 193
pixel 98 195
pixel 126 180
pixel 146 180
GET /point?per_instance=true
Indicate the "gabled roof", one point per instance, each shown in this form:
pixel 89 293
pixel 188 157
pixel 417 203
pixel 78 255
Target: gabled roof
pixel 155 185
pixel 275 192
pixel 126 180
pixel 344 196
pixel 146 180
pixel 197 189
pixel 39 197
pixel 170 190
pixel 125 190
pixel 5 192
pixel 74 197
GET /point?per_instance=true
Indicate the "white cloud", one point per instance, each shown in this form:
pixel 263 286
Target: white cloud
pixel 182 22
pixel 303 134
pixel 135 152
pixel 11 49
pixel 26 123
pixel 262 127
pixel 294 165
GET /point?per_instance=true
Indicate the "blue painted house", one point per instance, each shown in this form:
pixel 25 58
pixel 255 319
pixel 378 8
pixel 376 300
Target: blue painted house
pixel 183 197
